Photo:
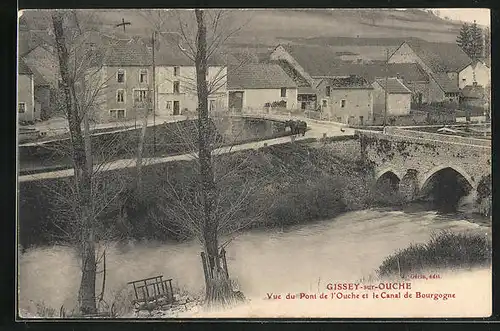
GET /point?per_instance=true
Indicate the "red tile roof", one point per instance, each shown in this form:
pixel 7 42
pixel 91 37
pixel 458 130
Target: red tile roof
pixel 394 86
pixel 258 76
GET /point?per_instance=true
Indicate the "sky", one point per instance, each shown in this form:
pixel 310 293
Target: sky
pixel 480 15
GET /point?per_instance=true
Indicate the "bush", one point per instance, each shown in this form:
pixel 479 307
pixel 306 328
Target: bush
pixel 444 251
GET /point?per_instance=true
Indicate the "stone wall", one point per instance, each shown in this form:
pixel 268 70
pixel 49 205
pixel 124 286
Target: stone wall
pixel 415 156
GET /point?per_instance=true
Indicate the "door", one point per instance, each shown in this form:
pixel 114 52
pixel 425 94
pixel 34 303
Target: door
pixel 236 100
pixel 177 107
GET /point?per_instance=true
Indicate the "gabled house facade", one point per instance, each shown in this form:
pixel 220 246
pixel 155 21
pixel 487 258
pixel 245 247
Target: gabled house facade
pixel 445 63
pixel 398 97
pixel 307 65
pixel 254 87
pixel 410 74
pixel 346 100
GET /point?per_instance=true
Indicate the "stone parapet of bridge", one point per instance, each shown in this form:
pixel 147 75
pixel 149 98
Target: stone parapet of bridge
pixel 414 157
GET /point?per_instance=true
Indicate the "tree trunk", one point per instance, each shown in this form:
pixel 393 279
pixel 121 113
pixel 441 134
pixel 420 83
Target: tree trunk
pixel 82 173
pixel 219 289
pixel 140 151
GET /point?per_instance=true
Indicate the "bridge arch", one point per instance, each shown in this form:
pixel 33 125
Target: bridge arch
pixel 384 171
pixel 424 181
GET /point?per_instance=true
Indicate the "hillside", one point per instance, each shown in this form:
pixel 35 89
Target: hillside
pixel 268 27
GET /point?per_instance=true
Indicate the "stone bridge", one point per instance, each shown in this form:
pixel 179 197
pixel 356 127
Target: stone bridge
pixel 420 165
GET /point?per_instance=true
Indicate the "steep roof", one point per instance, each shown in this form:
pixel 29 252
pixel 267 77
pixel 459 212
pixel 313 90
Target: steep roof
pixel 394 86
pixel 440 57
pixel 445 83
pixel 409 72
pixel 317 61
pixel 258 76
pixel 352 82
pixel 292 73
pixel 23 68
pixel 473 91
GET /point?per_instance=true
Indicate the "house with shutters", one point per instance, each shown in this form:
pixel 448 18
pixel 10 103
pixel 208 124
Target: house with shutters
pixel 258 86
pixel 127 73
pixel 447 65
pixel 346 100
pixel 176 81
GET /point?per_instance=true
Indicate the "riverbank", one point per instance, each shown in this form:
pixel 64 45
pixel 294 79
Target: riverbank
pixel 302 258
pixel 305 181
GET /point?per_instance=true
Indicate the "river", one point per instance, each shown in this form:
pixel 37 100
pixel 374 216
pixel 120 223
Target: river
pixel 302 258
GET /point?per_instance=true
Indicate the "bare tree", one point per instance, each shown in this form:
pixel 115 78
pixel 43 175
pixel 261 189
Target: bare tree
pixel 82 82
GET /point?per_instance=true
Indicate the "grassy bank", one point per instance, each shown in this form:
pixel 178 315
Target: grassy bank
pixel 304 182
pixel 445 250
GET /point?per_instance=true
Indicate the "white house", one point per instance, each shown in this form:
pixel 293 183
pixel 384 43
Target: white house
pixel 398 97
pixel 176 83
pixel 254 86
pixel 477 73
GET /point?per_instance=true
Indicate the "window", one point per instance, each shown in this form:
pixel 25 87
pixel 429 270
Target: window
pixel 342 103
pixel 325 103
pixel 140 96
pixel 463 79
pixel 328 91
pixel 211 105
pixel 168 105
pixel 177 87
pixel 120 96
pixel 117 113
pixel 177 71
pixel 120 76
pixel 283 92
pixel 143 76
pixel 21 108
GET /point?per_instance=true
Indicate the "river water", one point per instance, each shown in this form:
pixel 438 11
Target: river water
pixel 303 258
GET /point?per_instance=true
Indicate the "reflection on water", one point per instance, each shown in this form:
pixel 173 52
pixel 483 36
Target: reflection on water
pixel 304 257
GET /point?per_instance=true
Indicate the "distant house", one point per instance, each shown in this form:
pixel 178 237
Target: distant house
pixel 26 109
pixel 346 100
pixel 473 96
pixel 126 71
pixel 445 63
pixel 253 86
pixel 410 74
pixel 478 73
pixel 307 65
pixel 306 94
pixel 398 97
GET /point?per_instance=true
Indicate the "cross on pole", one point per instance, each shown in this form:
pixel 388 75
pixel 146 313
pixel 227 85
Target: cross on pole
pixel 123 23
